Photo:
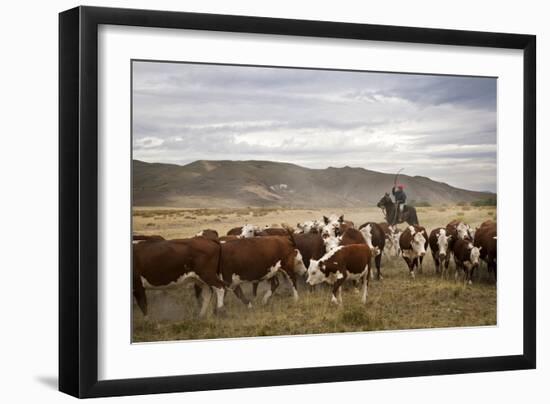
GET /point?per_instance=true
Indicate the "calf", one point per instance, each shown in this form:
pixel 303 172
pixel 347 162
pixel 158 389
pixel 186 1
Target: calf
pixel 439 246
pixel 351 262
pixel 260 258
pixel 162 264
pixel 466 258
pixel 486 240
pixel 376 240
pixel 413 243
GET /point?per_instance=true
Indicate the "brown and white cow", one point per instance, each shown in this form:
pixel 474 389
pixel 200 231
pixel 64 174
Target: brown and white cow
pixel 259 259
pixel 486 240
pixel 441 252
pixel 163 264
pixel 335 226
pixel 350 262
pixel 413 243
pixel 376 240
pixel 466 258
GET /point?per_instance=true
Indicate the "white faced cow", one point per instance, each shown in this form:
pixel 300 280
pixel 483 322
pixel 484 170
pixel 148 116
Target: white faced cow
pixel 413 243
pixel 350 262
pixel 466 258
pixel 440 247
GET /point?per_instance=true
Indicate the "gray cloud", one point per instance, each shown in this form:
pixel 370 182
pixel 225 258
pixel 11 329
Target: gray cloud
pixel 443 127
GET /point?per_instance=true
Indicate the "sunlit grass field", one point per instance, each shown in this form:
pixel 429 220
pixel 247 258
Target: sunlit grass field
pixel 395 303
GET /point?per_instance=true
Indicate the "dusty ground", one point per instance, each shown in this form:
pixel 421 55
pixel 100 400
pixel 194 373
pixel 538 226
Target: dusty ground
pixel 396 302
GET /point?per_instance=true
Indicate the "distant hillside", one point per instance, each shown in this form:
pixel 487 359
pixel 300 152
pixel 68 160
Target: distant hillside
pixel 271 184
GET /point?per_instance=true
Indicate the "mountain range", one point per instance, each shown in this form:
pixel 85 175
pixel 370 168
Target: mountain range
pixel 232 184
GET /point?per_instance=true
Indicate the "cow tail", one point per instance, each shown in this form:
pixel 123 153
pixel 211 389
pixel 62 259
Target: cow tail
pixel 219 269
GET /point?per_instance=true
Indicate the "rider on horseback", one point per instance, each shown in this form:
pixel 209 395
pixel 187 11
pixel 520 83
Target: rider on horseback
pixel 400 198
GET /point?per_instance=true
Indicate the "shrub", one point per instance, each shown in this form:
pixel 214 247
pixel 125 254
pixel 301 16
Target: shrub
pixel 461 203
pixel 492 201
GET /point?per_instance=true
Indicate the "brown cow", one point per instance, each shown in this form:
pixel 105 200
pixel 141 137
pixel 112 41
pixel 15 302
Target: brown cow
pixel 376 240
pixel 350 262
pixel 486 240
pixel 208 233
pixel 272 231
pixel 260 258
pixel 466 258
pixel 439 245
pixel 140 237
pixel 162 264
pixel 311 246
pixel 413 243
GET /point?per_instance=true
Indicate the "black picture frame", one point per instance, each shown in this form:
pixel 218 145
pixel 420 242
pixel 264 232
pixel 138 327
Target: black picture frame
pixel 78 200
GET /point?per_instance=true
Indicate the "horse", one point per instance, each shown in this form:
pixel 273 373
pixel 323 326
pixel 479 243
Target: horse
pixel 390 212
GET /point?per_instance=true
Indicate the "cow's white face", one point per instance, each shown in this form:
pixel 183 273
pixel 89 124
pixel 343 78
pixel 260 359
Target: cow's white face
pixel 474 255
pixel 307 226
pixel 249 230
pixel 299 266
pixel 443 243
pixel 395 244
pixel 314 273
pixel 418 244
pixel 462 230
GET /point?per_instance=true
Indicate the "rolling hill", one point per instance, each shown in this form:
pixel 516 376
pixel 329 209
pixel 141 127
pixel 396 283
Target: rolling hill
pixel 231 184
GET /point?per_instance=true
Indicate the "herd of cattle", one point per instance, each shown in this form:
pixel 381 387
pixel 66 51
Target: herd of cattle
pixel 332 250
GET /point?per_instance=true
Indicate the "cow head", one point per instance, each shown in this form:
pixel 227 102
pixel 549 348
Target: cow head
pixel 418 244
pixel 442 243
pixel 462 230
pixel 471 233
pixel 315 272
pixel 249 230
pixel 474 255
pixel 299 267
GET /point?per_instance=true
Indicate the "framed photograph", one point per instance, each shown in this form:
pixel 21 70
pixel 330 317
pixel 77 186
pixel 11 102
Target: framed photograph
pixel 250 201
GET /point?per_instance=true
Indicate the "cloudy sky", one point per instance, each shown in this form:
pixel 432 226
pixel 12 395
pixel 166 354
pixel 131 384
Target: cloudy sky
pixel 441 127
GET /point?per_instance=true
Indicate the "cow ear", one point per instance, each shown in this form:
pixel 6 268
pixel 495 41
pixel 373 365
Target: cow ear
pixel 325 219
pixel 341 219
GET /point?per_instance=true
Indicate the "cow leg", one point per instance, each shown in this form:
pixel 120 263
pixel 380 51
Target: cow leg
pixel 436 262
pixel 337 292
pixel 239 293
pixel 366 282
pixel 255 289
pixel 198 292
pixel 274 284
pixel 378 262
pixel 206 293
pixel 410 264
pixel 220 294
pixel 141 298
pixel 292 280
pixel 419 264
